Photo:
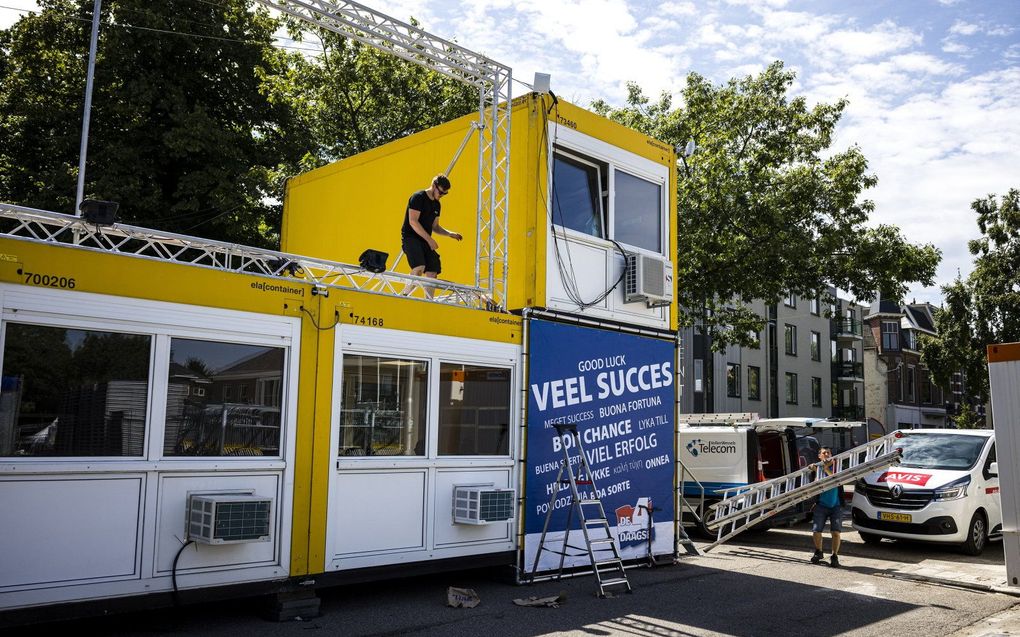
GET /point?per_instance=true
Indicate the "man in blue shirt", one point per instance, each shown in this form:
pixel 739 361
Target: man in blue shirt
pixel 829 507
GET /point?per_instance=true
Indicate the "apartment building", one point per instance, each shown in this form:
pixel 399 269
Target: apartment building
pixel 899 390
pixel 804 364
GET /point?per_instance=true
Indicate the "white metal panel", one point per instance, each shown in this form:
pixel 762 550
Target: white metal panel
pixel 379 512
pixel 1004 382
pixel 171 530
pixel 66 530
pixel 446 532
pixel 581 263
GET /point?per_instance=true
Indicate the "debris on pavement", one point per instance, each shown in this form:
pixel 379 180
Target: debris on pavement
pixel 462 597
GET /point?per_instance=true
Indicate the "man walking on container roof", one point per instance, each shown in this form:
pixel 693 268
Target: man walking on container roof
pixel 420 221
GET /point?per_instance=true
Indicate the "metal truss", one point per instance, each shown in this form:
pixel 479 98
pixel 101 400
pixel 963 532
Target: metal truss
pixel 41 226
pixel 358 22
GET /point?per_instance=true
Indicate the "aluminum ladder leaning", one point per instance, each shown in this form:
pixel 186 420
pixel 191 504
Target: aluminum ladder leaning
pixel 744 506
pixel 600 545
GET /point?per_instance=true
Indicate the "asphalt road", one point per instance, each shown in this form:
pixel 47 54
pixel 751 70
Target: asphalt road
pixel 757 585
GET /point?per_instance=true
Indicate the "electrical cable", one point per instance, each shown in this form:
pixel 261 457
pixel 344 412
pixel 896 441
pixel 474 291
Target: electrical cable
pixel 566 268
pixel 316 323
pixel 173 572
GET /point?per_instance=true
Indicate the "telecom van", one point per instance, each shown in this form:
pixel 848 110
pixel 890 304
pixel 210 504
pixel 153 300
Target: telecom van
pixel 945 490
pixel 720 451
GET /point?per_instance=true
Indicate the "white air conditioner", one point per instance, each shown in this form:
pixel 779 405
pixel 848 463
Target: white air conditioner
pixel 649 279
pixel 473 504
pixel 229 518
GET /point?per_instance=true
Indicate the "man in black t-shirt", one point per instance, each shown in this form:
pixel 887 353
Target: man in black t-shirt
pixel 420 221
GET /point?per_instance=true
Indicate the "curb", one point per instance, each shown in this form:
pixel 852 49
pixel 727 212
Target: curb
pixel 945 581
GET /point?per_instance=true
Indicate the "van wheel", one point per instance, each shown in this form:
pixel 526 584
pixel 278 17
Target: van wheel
pixel 870 538
pixel 977 535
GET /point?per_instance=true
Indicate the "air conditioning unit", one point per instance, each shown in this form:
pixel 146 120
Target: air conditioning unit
pixel 473 504
pixel 648 279
pixel 229 518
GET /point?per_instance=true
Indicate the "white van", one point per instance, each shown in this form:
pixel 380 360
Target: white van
pixel 946 490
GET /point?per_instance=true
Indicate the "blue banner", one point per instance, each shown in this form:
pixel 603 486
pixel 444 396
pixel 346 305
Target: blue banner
pixel 619 391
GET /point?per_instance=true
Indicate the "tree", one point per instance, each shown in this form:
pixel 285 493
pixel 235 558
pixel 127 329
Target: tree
pixel 185 131
pixel 765 207
pixel 984 308
pixel 355 97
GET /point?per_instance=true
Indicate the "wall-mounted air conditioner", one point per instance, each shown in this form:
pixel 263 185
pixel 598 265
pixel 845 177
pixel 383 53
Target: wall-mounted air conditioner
pixel 648 279
pixel 474 504
pixel 229 518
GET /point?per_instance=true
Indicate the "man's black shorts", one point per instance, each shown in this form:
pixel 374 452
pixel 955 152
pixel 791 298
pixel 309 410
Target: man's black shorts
pixel 419 253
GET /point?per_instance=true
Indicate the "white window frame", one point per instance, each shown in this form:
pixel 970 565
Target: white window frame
pixel 584 148
pixel 162 321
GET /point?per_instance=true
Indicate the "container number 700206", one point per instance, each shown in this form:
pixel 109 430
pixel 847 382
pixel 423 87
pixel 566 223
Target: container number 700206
pixel 48 280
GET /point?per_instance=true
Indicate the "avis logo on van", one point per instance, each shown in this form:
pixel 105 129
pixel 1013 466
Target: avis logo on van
pixel 920 479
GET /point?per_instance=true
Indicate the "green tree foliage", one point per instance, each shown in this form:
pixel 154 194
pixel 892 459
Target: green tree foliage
pixel 355 97
pixel 766 207
pixel 184 133
pixel 984 308
pixel 198 116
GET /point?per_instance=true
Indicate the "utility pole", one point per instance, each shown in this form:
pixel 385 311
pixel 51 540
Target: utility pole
pixel 80 195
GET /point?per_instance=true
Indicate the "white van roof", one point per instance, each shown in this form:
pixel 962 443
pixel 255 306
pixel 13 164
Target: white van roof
pixel 817 423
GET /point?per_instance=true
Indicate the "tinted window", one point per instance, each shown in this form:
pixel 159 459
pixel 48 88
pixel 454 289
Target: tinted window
pixel 223 399
pixel 637 218
pixel 383 406
pixel 577 196
pixel 474 414
pixel 70 392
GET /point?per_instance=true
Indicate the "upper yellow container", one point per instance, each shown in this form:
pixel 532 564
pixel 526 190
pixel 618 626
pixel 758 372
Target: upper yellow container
pixel 559 257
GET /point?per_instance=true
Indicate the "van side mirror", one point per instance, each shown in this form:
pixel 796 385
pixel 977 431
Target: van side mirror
pixel 993 470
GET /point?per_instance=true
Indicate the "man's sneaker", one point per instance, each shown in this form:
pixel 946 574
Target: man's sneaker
pixel 834 561
pixel 818 557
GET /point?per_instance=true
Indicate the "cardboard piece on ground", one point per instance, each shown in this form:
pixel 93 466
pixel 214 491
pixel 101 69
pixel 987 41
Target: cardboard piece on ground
pixel 462 597
pixel 549 602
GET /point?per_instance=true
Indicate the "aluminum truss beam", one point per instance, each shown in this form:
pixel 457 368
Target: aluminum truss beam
pixel 492 80
pixel 40 226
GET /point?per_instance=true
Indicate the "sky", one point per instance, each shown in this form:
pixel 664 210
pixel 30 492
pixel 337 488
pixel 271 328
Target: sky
pixel 933 85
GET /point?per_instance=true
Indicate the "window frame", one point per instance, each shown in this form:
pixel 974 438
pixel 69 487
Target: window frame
pixel 581 147
pixel 816 391
pixel 790 339
pixel 754 389
pixel 816 345
pixel 368 341
pixel 733 388
pixel 162 321
pixel 890 337
pixel 792 397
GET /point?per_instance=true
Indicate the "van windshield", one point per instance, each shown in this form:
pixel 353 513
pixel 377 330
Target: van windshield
pixel 941 451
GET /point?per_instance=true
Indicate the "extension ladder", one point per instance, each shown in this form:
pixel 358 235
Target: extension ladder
pixel 600 545
pixel 745 506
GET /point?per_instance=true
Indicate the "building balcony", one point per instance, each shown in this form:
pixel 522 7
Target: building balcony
pixel 848 412
pixel 848 370
pixel 845 328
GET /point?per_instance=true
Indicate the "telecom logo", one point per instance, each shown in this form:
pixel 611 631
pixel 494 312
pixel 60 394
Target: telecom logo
pixel 698 446
pixel 632 522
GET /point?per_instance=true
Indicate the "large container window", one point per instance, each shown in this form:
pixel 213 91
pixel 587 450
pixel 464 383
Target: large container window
pixel 383 406
pixel 637 212
pixel 474 411
pixel 577 196
pixel 223 399
pixel 69 392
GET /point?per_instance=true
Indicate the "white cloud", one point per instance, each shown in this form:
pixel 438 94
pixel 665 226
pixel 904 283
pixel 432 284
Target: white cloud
pixel 964 28
pixel 857 44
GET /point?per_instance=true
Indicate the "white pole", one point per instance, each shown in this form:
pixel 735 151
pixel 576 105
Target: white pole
pixel 88 108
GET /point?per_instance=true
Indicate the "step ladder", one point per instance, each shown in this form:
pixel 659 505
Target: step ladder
pixel 600 545
pixel 694 510
pixel 744 506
